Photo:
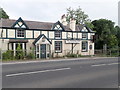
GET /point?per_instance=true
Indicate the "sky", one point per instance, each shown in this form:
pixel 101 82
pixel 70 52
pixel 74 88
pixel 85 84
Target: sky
pixel 52 10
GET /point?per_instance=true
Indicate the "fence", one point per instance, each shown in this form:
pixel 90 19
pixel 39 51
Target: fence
pixel 107 53
pixel 32 54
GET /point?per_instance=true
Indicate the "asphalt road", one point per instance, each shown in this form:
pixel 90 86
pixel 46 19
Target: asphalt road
pixel 86 73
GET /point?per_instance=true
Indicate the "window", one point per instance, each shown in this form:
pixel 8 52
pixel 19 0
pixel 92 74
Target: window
pixel 84 46
pixel 58 34
pixel 84 35
pixel 20 33
pixel 58 46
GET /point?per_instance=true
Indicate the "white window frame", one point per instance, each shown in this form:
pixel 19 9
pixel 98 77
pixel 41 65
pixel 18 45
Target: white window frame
pixel 59 45
pixel 84 46
pixel 84 35
pixel 20 33
pixel 59 33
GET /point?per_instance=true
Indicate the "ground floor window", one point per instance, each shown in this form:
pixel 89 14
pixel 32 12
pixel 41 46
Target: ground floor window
pixel 58 46
pixel 84 46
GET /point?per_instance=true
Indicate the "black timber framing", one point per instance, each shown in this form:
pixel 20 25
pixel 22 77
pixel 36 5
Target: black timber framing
pixel 6 33
pixel 33 34
pixel 48 31
pixel 45 30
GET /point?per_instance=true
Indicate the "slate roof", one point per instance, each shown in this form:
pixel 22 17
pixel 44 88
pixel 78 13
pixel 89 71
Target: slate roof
pixel 38 25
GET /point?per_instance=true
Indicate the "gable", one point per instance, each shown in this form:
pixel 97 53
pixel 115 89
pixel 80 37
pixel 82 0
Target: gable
pixel 19 24
pixel 42 39
pixel 58 26
pixel 84 29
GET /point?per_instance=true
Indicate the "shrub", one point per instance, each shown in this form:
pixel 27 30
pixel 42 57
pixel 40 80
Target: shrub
pixel 19 53
pixel 8 55
pixel 71 55
pixel 30 56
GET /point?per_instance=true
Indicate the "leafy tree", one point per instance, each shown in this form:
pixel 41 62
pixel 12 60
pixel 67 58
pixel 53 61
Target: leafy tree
pixel 77 14
pixel 117 33
pixel 90 25
pixel 105 33
pixel 3 14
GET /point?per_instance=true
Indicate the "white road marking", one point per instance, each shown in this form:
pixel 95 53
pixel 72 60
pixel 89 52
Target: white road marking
pixel 27 73
pixel 98 65
pixel 112 63
pixel 104 64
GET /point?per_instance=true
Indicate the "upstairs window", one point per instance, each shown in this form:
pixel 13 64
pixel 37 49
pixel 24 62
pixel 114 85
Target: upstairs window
pixel 84 35
pixel 20 33
pixel 58 35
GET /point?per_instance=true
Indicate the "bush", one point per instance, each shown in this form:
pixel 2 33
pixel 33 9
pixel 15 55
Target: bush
pixel 19 53
pixel 30 56
pixel 71 55
pixel 8 55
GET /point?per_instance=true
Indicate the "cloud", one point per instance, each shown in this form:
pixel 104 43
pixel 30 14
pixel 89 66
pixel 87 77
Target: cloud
pixel 51 10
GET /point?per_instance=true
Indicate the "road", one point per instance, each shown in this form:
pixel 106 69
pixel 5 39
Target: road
pixel 86 73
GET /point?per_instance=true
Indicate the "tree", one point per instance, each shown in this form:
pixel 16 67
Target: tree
pixel 90 25
pixel 77 14
pixel 117 29
pixel 3 14
pixel 105 33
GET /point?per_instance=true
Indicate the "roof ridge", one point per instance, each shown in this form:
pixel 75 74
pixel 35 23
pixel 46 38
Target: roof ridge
pixel 26 20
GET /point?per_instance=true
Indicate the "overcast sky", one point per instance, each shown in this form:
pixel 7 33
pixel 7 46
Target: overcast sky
pixel 52 10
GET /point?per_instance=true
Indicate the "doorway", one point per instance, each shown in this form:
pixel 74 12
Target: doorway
pixel 43 50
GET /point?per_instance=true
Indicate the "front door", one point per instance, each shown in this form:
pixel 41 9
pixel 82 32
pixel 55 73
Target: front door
pixel 43 50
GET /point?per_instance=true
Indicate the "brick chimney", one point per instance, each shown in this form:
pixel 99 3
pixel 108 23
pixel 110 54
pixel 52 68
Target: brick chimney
pixel 63 20
pixel 72 24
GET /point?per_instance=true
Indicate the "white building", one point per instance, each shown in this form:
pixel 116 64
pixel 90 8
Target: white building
pixel 47 38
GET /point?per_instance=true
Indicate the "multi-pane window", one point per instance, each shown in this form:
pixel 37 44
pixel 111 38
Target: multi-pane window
pixel 58 46
pixel 84 35
pixel 20 33
pixel 84 46
pixel 58 34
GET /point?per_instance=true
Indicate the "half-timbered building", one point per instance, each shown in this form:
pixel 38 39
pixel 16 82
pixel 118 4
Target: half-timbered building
pixel 46 38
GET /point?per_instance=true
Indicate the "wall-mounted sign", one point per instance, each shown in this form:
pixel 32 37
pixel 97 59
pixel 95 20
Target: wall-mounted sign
pixel 73 41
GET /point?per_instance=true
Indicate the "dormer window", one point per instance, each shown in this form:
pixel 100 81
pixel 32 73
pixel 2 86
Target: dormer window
pixel 58 34
pixel 20 33
pixel 58 28
pixel 84 35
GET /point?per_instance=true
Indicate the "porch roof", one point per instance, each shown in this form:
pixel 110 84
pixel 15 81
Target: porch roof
pixel 39 37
